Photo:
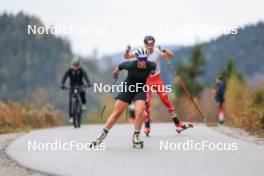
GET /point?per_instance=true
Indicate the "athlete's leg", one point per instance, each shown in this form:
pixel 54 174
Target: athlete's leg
pixel 83 99
pixel 70 104
pixel 148 102
pixel 220 112
pixel 139 110
pixel 147 108
pixel 161 91
pixel 83 96
pixel 119 108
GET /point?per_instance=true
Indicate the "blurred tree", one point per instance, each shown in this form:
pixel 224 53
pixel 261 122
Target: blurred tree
pixel 191 72
pixel 246 47
pixel 32 65
pixel 230 70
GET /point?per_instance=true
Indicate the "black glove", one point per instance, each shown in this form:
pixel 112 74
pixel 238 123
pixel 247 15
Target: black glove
pixel 89 85
pixel 62 87
pixel 115 75
pixel 161 49
pixel 128 48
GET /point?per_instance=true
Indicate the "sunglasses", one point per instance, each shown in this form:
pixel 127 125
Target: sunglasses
pixel 144 59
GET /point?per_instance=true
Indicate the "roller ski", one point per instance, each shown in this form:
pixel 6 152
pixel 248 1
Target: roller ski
pixel 99 140
pixel 137 143
pixel 95 143
pixel 183 126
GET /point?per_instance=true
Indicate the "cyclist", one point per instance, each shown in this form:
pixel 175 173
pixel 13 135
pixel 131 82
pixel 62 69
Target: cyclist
pixel 155 80
pixel 138 72
pixel 76 75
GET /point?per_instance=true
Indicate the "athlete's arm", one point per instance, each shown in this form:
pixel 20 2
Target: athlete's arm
pixel 86 78
pixel 64 78
pixel 116 72
pixel 167 54
pixel 125 65
pixel 128 54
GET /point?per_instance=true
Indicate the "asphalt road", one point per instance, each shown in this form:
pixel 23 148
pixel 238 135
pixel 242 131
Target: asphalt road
pixel 183 155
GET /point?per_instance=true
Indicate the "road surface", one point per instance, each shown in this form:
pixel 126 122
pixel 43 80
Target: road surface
pixel 157 158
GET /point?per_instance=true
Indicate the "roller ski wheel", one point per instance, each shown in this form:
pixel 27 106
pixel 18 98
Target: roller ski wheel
pixel 147 131
pixel 138 144
pixel 183 126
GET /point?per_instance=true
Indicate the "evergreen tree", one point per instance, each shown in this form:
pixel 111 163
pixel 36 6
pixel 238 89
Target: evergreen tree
pixel 230 70
pixel 191 72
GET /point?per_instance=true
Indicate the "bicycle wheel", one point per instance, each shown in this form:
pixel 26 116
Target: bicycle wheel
pixel 79 115
pixel 75 114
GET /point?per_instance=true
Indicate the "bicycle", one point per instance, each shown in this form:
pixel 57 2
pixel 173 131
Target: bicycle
pixel 76 106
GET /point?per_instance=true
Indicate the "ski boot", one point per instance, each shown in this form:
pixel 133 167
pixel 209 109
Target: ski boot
pixel 95 143
pixel 99 140
pixel 147 128
pixel 183 126
pixel 137 143
pixel 147 131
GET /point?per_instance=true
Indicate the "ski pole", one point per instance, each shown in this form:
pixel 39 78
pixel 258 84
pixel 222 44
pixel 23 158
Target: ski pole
pixel 102 112
pixel 187 92
pixel 126 115
pixel 190 96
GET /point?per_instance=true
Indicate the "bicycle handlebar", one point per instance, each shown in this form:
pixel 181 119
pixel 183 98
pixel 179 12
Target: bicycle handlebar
pixel 78 87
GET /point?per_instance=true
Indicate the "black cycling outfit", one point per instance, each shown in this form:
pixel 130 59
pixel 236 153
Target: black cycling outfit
pixel 135 75
pixel 76 77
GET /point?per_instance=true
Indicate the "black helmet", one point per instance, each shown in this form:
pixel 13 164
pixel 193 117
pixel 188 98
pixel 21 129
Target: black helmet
pixel 220 77
pixel 149 37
